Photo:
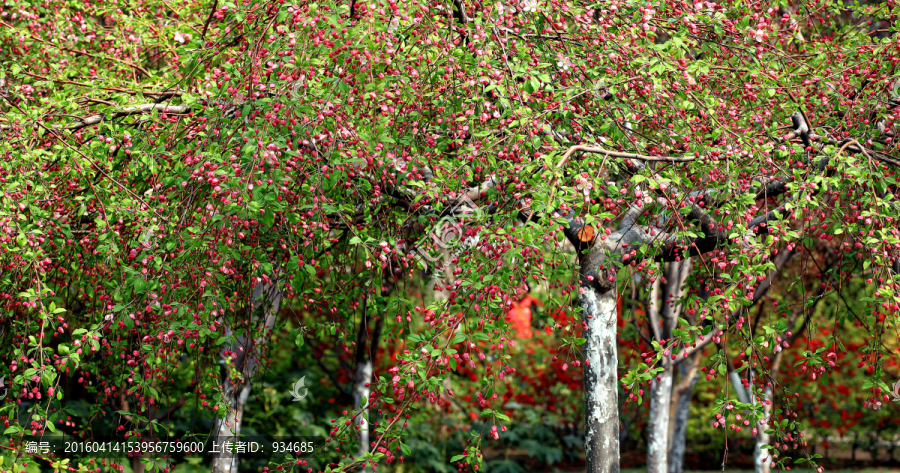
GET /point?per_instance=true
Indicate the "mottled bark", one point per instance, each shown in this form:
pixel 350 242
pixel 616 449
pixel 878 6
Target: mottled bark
pixel 598 257
pixel 264 305
pixel 601 423
pixel 739 391
pixel 229 427
pixel 685 393
pixel 661 387
pixel 658 423
pixel 597 260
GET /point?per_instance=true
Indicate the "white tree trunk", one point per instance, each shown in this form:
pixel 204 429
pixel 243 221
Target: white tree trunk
pixel 661 388
pixel 762 438
pixel 265 297
pixel 601 405
pixel 738 386
pixel 366 351
pixel 759 455
pixel 230 427
pixel 658 424
pixel 679 433
pixel 361 394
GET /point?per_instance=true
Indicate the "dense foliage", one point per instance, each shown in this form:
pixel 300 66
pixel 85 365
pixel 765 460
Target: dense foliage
pixel 397 175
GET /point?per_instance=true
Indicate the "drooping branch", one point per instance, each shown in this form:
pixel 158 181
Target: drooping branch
pixel 777 187
pixel 780 260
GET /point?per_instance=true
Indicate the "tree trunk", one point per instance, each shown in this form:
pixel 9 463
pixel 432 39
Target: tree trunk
pixel 137 462
pixel 601 420
pixel 267 298
pixel 744 397
pixel 760 456
pixel 366 350
pixel 661 387
pixel 361 394
pixel 737 385
pixel 678 442
pixel 658 423
pixel 226 429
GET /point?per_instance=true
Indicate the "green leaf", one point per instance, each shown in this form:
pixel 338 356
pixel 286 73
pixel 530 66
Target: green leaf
pixel 267 218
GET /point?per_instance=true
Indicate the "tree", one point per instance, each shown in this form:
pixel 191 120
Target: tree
pixel 166 165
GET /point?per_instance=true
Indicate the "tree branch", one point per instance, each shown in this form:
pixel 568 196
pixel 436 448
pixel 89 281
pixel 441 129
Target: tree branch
pixel 171 410
pixel 761 290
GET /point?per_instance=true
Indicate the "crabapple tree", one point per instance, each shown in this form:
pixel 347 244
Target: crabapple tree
pixel 175 173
